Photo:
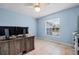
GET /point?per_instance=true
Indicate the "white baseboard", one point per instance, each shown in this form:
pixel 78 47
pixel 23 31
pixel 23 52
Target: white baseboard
pixel 54 40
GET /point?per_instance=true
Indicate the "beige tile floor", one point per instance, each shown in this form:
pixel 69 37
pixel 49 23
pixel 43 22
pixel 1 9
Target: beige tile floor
pixel 44 47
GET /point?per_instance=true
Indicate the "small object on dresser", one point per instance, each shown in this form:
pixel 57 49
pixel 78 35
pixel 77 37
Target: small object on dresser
pixel 2 37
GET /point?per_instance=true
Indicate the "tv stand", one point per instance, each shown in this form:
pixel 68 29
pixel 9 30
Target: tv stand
pixel 16 46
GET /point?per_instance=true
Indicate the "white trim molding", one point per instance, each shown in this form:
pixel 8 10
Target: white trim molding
pixel 54 40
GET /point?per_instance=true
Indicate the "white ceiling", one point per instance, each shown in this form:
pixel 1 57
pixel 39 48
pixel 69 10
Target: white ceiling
pixel 28 10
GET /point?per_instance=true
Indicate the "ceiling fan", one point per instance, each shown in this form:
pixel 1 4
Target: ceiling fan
pixel 37 6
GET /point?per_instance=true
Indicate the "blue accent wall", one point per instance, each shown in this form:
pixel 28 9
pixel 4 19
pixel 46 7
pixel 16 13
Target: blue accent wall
pixel 68 24
pixel 10 18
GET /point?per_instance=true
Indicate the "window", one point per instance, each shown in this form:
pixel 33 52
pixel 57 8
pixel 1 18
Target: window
pixel 52 27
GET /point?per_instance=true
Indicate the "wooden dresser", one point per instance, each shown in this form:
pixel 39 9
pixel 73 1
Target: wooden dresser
pixel 16 46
